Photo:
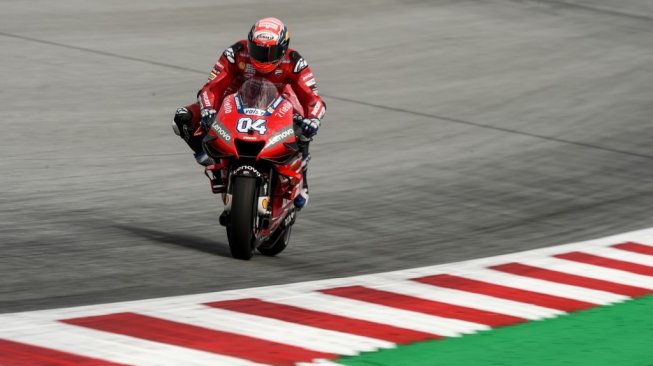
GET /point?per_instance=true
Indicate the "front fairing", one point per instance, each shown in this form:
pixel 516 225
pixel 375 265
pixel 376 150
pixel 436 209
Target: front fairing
pixel 263 134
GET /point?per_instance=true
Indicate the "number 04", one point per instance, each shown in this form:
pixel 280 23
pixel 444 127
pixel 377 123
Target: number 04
pixel 245 124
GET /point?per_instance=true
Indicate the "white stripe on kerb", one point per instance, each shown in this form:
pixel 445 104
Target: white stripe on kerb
pixel 39 328
pixel 316 339
pixel 319 363
pixel 592 271
pixel 114 347
pixel 468 299
pixel 542 286
pixel 383 314
pixel 621 255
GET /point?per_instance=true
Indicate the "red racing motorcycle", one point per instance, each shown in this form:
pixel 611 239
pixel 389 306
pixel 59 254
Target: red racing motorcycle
pixel 258 168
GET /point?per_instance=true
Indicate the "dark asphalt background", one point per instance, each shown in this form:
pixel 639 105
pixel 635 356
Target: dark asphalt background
pixel 455 130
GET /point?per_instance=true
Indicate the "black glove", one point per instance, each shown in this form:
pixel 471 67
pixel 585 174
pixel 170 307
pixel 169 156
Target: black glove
pixel 208 116
pixel 297 119
pixel 310 126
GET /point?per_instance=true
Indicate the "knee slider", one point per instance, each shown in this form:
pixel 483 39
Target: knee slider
pixel 183 116
pixel 182 120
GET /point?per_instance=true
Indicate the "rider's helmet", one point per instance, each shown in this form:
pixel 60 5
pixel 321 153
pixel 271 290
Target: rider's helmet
pixel 267 43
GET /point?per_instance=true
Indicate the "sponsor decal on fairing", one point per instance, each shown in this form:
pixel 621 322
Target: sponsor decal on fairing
pixel 284 109
pixel 283 135
pixel 221 131
pixel 246 124
pixel 246 169
pixel 255 111
pixel 276 102
pixel 227 106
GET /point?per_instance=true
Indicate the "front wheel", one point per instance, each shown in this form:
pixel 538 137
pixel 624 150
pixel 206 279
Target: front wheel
pixel 243 217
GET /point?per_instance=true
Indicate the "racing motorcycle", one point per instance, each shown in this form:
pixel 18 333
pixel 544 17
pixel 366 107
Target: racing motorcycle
pixel 258 168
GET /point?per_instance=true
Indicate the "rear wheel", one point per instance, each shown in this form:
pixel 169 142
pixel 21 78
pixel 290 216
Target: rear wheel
pixel 243 218
pixel 277 243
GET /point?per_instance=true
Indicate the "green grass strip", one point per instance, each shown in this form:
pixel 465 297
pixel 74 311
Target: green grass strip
pixel 614 335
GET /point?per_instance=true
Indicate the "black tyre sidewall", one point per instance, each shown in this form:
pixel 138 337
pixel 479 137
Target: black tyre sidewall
pixel 280 243
pixel 243 213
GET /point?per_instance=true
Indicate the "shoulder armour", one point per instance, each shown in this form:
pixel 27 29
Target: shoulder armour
pixel 300 63
pixel 238 46
pixel 230 53
pixel 294 55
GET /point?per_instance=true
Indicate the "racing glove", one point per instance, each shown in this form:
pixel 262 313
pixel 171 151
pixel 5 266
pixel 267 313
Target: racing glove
pixel 208 116
pixel 310 126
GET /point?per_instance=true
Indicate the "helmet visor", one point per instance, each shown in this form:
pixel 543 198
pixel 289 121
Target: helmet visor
pixel 265 53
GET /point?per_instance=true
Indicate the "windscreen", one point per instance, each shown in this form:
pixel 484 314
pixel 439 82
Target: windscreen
pixel 257 93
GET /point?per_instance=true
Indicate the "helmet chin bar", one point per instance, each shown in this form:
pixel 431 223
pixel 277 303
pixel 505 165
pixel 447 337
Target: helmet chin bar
pixel 264 67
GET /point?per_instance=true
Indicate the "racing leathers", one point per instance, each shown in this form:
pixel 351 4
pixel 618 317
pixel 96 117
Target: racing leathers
pixel 292 77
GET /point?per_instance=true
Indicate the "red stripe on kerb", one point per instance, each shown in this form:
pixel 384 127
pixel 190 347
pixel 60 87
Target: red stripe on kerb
pixel 505 292
pixel 635 247
pixel 420 305
pixel 203 339
pixel 323 320
pixel 607 262
pixel 21 354
pixel 571 279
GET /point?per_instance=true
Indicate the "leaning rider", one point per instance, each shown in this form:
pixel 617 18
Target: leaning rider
pixel 265 54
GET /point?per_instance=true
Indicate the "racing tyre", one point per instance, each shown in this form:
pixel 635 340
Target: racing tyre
pixel 243 216
pixel 277 243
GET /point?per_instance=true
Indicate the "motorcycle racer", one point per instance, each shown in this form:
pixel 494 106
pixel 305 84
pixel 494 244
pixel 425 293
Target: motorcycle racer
pixel 264 54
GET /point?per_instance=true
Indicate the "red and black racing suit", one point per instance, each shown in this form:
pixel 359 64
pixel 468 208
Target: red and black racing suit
pixel 292 77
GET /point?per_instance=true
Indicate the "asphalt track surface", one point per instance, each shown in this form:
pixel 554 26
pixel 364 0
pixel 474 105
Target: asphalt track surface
pixel 455 130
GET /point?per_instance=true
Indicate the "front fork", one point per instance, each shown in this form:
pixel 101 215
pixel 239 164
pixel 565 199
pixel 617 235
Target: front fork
pixel 264 204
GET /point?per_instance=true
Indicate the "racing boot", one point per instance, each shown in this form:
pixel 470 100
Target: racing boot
pixel 183 127
pixel 203 159
pixel 302 199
